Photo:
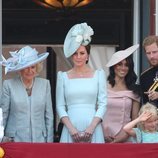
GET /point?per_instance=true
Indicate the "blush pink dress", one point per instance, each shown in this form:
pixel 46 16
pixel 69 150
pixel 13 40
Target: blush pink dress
pixel 118 113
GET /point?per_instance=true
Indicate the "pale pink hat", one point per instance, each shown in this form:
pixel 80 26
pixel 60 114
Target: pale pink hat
pixel 121 55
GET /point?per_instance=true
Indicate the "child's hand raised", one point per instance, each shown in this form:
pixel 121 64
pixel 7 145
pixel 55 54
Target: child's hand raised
pixel 144 116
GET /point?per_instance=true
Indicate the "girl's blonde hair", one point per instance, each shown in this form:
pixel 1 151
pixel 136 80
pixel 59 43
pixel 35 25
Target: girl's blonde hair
pixel 148 107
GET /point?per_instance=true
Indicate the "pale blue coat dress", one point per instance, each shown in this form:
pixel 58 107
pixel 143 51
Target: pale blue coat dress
pixel 27 118
pixel 81 99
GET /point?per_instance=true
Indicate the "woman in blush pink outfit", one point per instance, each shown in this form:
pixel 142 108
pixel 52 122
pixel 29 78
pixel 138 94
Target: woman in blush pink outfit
pixel 123 96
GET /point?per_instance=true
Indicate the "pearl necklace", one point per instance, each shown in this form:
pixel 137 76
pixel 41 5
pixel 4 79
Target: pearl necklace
pixel 28 88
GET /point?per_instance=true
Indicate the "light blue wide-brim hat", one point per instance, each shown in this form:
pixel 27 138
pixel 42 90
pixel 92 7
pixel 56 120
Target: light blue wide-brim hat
pixel 79 34
pixel 22 59
pixel 121 55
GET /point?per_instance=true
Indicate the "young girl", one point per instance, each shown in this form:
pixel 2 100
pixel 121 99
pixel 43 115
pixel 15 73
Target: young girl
pixel 147 125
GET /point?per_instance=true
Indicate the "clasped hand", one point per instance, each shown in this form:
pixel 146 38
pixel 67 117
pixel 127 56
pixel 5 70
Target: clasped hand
pixel 109 139
pixel 81 136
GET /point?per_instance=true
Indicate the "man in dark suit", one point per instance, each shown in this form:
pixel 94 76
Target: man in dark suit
pixel 149 78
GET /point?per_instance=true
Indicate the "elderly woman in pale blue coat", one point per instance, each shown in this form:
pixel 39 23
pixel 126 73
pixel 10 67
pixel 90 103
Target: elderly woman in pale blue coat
pixel 26 99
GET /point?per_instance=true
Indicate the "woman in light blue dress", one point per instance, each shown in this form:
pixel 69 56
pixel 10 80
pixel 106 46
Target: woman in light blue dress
pixel 147 125
pixel 80 92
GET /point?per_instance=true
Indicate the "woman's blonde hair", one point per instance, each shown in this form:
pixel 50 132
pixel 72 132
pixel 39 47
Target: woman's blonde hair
pixel 148 107
pixel 39 67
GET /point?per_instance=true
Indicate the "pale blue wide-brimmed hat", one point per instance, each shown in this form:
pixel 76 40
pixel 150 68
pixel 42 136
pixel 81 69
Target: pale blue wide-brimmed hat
pixel 22 59
pixel 79 34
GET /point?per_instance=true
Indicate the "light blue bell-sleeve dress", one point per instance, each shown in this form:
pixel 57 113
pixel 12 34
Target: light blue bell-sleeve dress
pixel 81 99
